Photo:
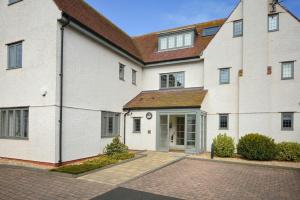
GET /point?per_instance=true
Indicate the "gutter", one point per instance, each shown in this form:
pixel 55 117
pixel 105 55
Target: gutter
pixel 62 29
pixel 128 111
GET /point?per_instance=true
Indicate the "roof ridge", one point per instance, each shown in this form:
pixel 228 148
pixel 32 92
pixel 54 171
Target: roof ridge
pixel 179 27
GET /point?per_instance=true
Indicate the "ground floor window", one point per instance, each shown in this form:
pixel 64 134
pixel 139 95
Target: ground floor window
pixel 287 121
pixel 110 124
pixel 14 123
pixel 136 125
pixel 223 121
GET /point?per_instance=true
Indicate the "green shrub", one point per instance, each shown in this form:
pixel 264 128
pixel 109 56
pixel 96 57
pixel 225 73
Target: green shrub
pixel 123 156
pixel 116 147
pixel 223 145
pixel 288 151
pixel 257 147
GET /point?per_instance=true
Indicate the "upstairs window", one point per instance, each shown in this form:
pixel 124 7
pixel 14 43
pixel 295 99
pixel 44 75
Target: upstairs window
pixel 133 77
pixel 110 124
pixel 287 70
pixel 13 1
pixel 14 123
pixel 273 22
pixel 121 72
pixel 176 41
pixel 223 121
pixel 287 121
pixel 15 55
pixel 224 76
pixel 172 80
pixel 238 28
pixel 210 31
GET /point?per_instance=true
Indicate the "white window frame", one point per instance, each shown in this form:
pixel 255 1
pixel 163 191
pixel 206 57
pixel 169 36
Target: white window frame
pixel 8 128
pixel 16 56
pixel 167 37
pixel 176 75
pixel 277 18
pixel 134 125
pixel 292 70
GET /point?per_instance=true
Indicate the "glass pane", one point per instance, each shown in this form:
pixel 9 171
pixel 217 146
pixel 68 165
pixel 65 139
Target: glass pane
pixel 12 63
pixel 191 131
pixel 163 43
pixel 164 133
pixel 11 123
pixel 163 81
pixel 224 76
pixel 179 79
pixel 188 39
pixel 273 22
pixel 210 31
pixel 25 123
pixel 3 123
pixel 18 123
pixel 171 80
pixel 19 55
pixel 110 125
pixel 287 70
pixel 238 28
pixel 171 42
pixel 179 40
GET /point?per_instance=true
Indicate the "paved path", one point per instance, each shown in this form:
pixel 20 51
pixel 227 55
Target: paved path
pixel 127 171
pixel 26 184
pixel 196 179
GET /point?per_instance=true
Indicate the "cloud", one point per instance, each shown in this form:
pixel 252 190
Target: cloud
pixel 195 11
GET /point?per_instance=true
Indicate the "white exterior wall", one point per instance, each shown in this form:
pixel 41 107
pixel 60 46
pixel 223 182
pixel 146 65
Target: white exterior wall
pixel 92 85
pixel 193 74
pixel 35 22
pixel 143 140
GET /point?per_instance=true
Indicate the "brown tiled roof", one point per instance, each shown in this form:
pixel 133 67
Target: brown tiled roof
pixel 86 15
pixel 148 44
pixel 143 48
pixel 176 98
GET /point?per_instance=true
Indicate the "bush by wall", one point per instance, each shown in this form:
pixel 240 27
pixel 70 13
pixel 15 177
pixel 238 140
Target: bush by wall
pixel 223 145
pixel 288 151
pixel 116 147
pixel 257 147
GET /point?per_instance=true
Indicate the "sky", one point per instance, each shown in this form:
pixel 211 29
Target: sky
pixel 137 17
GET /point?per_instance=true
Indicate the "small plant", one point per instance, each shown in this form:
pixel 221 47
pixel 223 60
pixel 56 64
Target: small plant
pixel 223 145
pixel 116 147
pixel 257 147
pixel 288 151
pixel 123 156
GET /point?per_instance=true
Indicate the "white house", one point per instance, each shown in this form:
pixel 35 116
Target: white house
pixel 70 80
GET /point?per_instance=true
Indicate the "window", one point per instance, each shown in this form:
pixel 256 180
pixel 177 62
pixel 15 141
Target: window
pixel 287 70
pixel 238 28
pixel 14 123
pixel 210 31
pixel 172 80
pixel 223 121
pixel 176 40
pixel 287 121
pixel 133 77
pixel 121 72
pixel 15 55
pixel 273 22
pixel 225 76
pixel 136 125
pixel 110 124
pixel 13 1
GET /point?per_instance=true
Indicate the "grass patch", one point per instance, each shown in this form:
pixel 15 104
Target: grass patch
pixel 93 164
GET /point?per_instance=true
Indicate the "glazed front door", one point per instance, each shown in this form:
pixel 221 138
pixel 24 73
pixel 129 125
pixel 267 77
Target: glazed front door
pixel 163 136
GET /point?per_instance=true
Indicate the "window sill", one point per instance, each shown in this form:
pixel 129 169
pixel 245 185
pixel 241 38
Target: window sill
pixel 113 136
pixel 270 31
pixel 8 69
pixel 135 132
pixel 288 130
pixel 14 138
pixel 223 129
pixel 285 79
pixel 237 36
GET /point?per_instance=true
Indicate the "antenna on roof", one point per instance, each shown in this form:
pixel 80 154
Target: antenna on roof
pixel 273 4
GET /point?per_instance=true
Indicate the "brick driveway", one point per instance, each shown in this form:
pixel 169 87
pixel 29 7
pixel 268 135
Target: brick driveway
pixel 19 183
pixel 195 179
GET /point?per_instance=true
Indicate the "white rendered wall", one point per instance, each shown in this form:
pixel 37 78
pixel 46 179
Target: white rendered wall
pixel 92 85
pixel 35 22
pixel 193 74
pixel 143 140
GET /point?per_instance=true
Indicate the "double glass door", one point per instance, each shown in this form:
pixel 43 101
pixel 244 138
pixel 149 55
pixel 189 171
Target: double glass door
pixel 189 133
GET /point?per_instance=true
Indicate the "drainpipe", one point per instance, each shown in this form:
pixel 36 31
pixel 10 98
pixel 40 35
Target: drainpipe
pixel 128 111
pixel 63 26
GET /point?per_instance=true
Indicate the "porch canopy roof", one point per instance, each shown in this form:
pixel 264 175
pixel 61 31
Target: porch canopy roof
pixel 167 99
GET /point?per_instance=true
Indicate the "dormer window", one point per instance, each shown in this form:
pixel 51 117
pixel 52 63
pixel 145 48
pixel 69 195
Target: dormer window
pixel 174 41
pixel 210 31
